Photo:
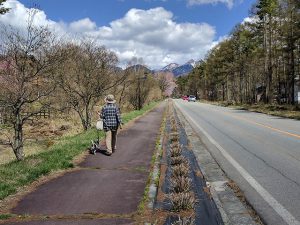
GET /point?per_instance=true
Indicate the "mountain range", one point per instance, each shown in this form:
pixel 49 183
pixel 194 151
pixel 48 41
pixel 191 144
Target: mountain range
pixel 174 68
pixel 180 70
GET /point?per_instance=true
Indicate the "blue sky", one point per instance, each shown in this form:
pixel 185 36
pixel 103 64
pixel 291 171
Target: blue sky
pixel 158 31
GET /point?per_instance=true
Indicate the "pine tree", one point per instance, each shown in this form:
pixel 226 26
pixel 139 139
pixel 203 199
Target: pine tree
pixel 3 10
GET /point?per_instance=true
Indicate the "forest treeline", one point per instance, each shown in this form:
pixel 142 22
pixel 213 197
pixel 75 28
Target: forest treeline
pixel 258 62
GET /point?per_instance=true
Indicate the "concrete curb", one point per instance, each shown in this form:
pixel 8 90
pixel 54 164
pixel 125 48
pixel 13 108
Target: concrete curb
pixel 232 210
pixel 153 187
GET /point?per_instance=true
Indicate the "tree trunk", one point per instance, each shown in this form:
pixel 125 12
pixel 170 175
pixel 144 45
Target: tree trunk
pixel 87 117
pixel 18 138
pixel 291 75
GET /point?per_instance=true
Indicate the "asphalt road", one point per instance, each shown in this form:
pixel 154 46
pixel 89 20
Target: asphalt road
pixel 260 153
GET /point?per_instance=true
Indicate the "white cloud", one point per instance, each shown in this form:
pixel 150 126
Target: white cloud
pixel 151 34
pixel 252 19
pixel 229 3
pixel 83 25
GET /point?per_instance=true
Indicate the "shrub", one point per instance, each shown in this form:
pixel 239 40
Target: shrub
pixel 173 125
pixel 175 151
pixel 174 137
pixel 182 201
pixel 180 170
pixel 185 221
pixel 178 160
pixel 180 184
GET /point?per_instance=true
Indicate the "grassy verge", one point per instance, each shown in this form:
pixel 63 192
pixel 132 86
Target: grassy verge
pixel 286 111
pixel 15 175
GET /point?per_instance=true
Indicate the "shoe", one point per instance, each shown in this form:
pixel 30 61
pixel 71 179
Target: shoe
pixel 108 153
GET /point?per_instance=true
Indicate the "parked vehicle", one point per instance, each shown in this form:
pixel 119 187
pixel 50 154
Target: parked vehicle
pixel 192 98
pixel 185 97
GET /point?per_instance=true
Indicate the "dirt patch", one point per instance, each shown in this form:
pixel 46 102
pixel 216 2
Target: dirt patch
pixel 160 195
pixel 198 173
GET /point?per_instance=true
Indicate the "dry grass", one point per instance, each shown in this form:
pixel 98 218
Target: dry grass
pixel 180 184
pixel 175 151
pixel 207 191
pixel 180 170
pixel 199 174
pixel 40 136
pixel 182 201
pixel 178 160
pixel 174 137
pixel 185 221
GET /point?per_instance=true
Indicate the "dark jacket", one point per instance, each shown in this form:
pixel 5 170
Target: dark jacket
pixel 110 114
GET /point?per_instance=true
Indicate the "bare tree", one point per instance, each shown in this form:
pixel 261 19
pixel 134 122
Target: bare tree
pixel 25 74
pixel 89 71
pixel 163 82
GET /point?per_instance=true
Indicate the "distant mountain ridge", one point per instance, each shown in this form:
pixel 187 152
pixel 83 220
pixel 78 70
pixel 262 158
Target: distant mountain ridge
pixel 170 67
pixel 139 67
pixel 180 70
pixel 174 68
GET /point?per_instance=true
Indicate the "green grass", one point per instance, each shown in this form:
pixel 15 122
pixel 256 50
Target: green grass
pixel 133 114
pixel 5 216
pixel 16 174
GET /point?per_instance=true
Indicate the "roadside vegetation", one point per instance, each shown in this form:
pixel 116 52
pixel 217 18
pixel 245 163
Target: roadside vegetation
pixel 258 63
pixel 283 110
pixel 59 156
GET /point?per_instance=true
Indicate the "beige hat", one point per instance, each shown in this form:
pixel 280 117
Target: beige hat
pixel 110 99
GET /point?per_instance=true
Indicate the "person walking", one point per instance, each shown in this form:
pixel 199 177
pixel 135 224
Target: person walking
pixel 110 114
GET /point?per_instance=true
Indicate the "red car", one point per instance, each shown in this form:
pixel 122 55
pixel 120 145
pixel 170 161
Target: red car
pixel 184 97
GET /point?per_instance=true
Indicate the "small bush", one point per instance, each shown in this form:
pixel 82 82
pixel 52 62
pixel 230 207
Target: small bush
pixel 185 221
pixel 180 184
pixel 174 137
pixel 180 170
pixel 176 151
pixel 178 160
pixel 173 127
pixel 182 201
pixel 175 145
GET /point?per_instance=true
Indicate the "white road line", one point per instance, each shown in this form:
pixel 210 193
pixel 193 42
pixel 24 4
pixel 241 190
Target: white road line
pixel 281 211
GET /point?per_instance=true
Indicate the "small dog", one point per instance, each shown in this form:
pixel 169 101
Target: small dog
pixel 95 147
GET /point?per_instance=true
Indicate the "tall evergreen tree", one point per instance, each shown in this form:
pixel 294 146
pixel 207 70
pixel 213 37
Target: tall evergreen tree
pixel 3 10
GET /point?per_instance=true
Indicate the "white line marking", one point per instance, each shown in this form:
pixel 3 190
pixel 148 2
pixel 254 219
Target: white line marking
pixel 281 211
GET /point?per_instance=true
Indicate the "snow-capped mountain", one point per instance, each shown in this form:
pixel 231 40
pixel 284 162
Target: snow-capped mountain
pixel 192 62
pixel 180 70
pixel 183 70
pixel 170 67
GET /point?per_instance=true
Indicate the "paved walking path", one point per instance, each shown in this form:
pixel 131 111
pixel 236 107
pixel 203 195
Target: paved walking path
pixel 105 189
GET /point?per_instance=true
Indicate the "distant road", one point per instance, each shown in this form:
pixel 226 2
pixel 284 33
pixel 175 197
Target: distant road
pixel 260 153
